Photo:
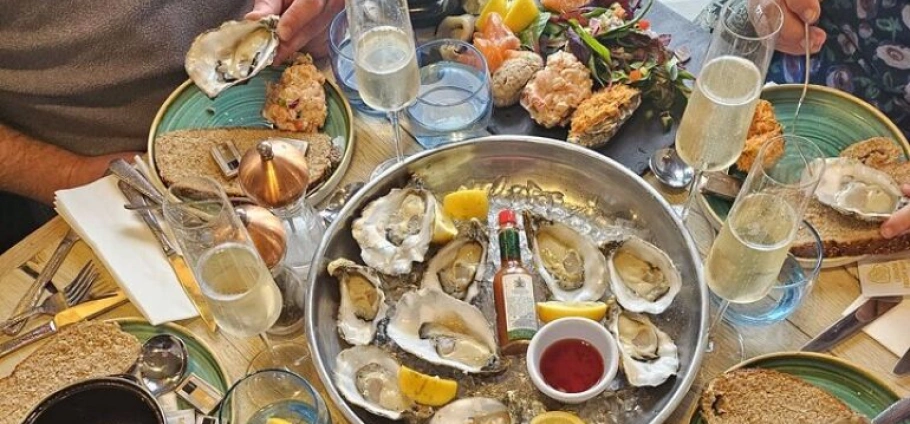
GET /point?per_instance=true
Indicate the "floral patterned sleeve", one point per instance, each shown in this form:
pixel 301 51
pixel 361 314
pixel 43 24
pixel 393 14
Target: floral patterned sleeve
pixel 867 53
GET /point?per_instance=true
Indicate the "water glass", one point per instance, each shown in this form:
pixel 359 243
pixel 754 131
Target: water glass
pixel 341 54
pixel 794 283
pixel 455 99
pixel 273 393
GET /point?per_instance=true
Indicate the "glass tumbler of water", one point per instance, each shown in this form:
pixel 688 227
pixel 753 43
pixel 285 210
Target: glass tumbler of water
pixel 273 395
pixel 454 101
pixel 341 53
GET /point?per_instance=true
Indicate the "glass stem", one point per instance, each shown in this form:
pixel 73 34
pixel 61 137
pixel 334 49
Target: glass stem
pixel 396 130
pixel 718 316
pixel 690 198
pixel 268 345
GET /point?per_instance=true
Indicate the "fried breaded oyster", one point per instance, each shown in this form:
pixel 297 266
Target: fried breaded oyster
pixel 599 117
pixel 763 128
pixel 297 101
pixel 513 76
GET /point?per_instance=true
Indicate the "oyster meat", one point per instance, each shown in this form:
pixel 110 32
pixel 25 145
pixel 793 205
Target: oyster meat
pixel 396 230
pixel 459 265
pixel 852 188
pixel 570 264
pixel 367 376
pixel 649 357
pixel 599 117
pixel 362 304
pixel 474 410
pixel 443 330
pixel 232 53
pixel 642 277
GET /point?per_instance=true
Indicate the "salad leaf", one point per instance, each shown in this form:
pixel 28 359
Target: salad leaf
pixel 530 37
pixel 592 42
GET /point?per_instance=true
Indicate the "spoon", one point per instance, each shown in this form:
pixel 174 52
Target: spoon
pixel 670 169
pixel 338 199
pixel 802 96
pixel 162 363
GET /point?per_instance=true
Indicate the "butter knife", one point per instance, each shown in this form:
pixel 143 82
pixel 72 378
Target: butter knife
pixel 67 317
pixel 178 263
pixel 903 364
pixel 852 322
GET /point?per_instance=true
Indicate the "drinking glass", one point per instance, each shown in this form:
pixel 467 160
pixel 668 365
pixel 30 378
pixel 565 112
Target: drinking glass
pixel 341 53
pixel 746 259
pixel 454 101
pixel 385 60
pixel 273 393
pixel 240 290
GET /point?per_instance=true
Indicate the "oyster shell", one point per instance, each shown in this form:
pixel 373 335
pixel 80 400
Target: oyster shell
pixel 649 357
pixel 367 376
pixel 459 265
pixel 570 263
pixel 443 330
pixel 395 230
pixel 599 117
pixel 232 53
pixel 642 277
pixel 852 188
pixel 475 410
pixel 362 304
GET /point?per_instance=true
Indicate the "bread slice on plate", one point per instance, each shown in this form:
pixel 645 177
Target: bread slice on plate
pixel 755 395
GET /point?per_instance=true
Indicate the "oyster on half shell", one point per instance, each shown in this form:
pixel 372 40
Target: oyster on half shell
pixel 460 264
pixel 649 357
pixel 395 230
pixel 362 304
pixel 443 330
pixel 570 263
pixel 232 53
pixel 642 277
pixel 367 376
pixel 852 188
pixel 474 410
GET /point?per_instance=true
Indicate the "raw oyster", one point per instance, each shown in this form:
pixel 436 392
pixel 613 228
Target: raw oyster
pixel 474 410
pixel 855 189
pixel 443 330
pixel 395 230
pixel 570 263
pixel 232 53
pixel 362 304
pixel 599 117
pixel 367 376
pixel 642 277
pixel 458 266
pixel 649 357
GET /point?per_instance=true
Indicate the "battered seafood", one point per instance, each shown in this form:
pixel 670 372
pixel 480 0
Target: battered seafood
pixel 297 101
pixel 600 116
pixel 764 127
pixel 555 92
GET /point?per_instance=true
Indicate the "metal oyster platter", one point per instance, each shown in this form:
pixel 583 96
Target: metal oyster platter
pixel 590 193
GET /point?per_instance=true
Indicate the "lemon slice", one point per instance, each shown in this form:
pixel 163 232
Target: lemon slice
pixel 425 389
pixel 553 310
pixel 499 6
pixel 557 417
pixel 277 421
pixel 443 229
pixel 521 14
pixel 467 203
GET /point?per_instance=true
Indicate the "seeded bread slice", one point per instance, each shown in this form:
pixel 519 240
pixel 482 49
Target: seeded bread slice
pixel 85 350
pixel 748 396
pixel 848 236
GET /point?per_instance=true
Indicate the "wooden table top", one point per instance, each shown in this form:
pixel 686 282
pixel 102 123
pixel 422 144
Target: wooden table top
pixel 834 291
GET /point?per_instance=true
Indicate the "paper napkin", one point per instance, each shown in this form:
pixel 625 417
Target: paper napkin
pixel 127 248
pixel 889 329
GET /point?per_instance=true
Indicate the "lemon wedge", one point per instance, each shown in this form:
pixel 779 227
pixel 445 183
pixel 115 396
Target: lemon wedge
pixel 443 229
pixel 498 6
pixel 277 421
pixel 553 310
pixel 557 417
pixel 521 14
pixel 425 389
pixel 467 203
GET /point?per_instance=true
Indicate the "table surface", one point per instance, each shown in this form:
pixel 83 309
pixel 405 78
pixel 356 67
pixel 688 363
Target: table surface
pixel 834 291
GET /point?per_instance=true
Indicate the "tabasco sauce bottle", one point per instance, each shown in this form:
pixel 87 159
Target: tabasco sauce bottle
pixel 513 291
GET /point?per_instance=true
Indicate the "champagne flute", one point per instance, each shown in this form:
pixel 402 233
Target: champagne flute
pixel 385 60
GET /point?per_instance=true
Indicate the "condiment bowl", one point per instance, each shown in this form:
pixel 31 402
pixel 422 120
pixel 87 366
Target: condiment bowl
pixel 573 328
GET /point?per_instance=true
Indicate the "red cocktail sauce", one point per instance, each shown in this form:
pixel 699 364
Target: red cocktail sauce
pixel 571 365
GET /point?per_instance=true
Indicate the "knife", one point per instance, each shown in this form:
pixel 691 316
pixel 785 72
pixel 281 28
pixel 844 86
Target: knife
pixel 178 263
pixel 852 322
pixel 903 364
pixel 64 318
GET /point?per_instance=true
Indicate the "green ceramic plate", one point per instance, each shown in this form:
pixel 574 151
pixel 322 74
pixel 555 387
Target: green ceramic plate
pixel 857 388
pixel 240 106
pixel 203 362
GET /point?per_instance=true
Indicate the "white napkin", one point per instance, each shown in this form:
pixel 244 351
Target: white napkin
pixel 889 329
pixel 127 248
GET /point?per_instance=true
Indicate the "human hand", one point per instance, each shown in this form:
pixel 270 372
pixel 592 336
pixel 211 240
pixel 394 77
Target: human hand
pixel 793 34
pixel 303 24
pixel 899 223
pixel 86 169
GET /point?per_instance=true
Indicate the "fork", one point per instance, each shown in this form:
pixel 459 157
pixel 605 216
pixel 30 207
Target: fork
pixel 74 292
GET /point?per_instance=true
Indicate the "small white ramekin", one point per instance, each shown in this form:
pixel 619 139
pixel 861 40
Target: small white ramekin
pixel 573 328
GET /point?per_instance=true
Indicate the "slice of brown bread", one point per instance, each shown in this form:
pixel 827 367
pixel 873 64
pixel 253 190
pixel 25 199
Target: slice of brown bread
pixel 748 396
pixel 85 350
pixel 848 236
pixel 185 153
